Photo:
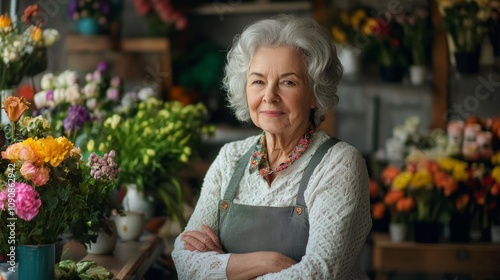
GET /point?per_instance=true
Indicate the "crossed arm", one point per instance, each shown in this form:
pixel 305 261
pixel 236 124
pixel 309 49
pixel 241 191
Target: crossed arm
pixel 240 266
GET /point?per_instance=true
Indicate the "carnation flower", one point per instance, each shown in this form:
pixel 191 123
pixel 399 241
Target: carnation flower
pixel 27 201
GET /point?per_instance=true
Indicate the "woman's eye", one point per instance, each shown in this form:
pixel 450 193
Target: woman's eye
pixel 257 82
pixel 288 83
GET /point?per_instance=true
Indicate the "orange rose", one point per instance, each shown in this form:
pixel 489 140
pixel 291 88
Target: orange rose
pixel 378 211
pixel 405 204
pixel 12 152
pixel 15 107
pixel 37 34
pixel 393 196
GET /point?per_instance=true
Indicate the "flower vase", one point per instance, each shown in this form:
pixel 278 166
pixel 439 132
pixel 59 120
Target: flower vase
pixel 397 232
pixel 467 63
pixel 418 74
pixel 36 261
pixel 136 201
pixel 88 26
pixel 105 244
pixel 130 225
pixel 495 233
pixel 427 232
pixel 350 58
pixel 6 93
pixel 392 74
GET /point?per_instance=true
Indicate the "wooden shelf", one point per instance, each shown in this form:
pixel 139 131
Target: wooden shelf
pixel 85 52
pixel 247 8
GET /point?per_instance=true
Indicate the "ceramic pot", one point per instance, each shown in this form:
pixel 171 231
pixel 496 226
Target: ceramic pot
pixel 350 58
pixel 397 232
pixel 417 74
pixel 105 244
pixel 136 201
pixel 36 261
pixel 130 225
pixel 88 26
pixel 495 233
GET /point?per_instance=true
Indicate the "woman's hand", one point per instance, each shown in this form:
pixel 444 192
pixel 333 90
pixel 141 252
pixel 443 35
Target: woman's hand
pixel 203 241
pixel 252 265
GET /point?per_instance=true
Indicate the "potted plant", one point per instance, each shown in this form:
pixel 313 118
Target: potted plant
pixel 92 17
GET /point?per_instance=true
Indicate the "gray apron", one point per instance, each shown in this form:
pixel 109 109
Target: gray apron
pixel 248 228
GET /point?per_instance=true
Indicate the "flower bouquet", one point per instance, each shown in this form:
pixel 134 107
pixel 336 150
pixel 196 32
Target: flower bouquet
pixel 23 47
pixel 45 188
pixel 466 23
pixel 386 44
pixel 163 18
pixel 92 16
pixel 153 145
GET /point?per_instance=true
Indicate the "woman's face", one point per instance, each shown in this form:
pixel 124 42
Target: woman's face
pixel 278 94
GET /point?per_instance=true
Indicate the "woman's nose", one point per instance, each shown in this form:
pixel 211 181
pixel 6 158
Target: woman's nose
pixel 271 94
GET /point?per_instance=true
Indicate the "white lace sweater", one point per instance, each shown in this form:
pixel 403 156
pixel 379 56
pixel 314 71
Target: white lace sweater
pixel 337 198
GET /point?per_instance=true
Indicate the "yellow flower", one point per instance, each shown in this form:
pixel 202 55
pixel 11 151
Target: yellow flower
pixel 460 173
pixel 402 180
pixel 53 151
pixel 37 34
pixel 357 17
pixel 370 26
pixel 338 35
pixel 495 173
pixel 5 22
pixel 447 164
pixel 421 179
pixel 495 159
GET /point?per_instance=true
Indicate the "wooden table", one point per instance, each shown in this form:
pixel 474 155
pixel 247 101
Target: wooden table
pixel 479 260
pixel 130 260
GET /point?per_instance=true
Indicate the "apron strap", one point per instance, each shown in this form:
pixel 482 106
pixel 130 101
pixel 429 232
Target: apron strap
pixel 237 175
pixel 317 157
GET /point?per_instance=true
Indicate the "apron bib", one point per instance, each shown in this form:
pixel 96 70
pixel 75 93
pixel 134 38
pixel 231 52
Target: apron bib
pixel 248 228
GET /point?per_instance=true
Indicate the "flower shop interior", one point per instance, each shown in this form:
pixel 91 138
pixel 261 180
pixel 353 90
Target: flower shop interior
pixel 134 88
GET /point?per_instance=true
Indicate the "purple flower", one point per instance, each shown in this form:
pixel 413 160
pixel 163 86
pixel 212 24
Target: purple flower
pixel 113 94
pixel 72 6
pixel 103 66
pixel 103 168
pixel 50 95
pixel 77 116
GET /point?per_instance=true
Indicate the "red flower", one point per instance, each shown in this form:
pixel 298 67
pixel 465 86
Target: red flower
pixel 143 7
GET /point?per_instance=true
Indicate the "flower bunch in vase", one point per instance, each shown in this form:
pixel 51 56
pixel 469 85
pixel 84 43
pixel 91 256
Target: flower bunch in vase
pixel 417 38
pixel 153 144
pixel 45 188
pixel 92 16
pixel 345 26
pixel 23 47
pixel 387 45
pixel 466 24
pixel 162 16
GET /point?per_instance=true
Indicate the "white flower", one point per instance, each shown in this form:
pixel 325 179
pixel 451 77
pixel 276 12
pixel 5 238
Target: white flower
pixel 59 96
pixel 73 94
pixel 146 93
pixel 40 99
pixel 47 81
pixel 50 36
pixel 71 78
pixel 91 103
pixel 90 90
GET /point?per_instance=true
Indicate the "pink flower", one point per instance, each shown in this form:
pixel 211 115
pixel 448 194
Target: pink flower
pixel 38 175
pixel 142 7
pixel 3 198
pixel 27 201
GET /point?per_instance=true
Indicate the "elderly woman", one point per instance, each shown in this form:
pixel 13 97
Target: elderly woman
pixel 291 203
